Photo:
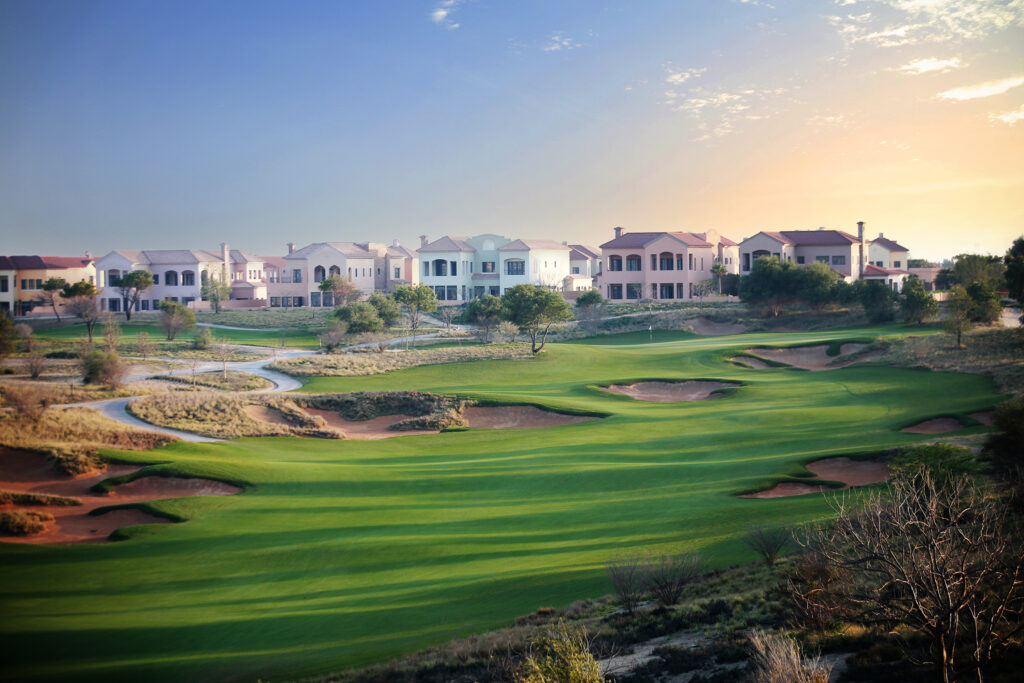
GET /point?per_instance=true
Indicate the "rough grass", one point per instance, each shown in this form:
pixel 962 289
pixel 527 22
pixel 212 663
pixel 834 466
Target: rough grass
pixel 59 393
pixel 233 380
pixel 355 364
pixel 428 411
pixel 23 522
pixel 28 498
pixel 75 430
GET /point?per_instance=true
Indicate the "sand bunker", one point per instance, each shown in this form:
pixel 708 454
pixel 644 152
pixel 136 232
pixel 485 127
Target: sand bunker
pixel 29 472
pixel 517 417
pixel 984 417
pixel 670 392
pixel 374 428
pixel 265 414
pixel 707 327
pixel 939 425
pixel 813 357
pixel 755 363
pixel 851 472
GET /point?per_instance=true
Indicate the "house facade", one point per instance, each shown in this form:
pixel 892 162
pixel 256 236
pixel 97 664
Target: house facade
pixel 8 276
pixel 885 253
pixel 178 274
pixel 26 275
pixel 840 250
pixel 655 265
pixel 892 277
pixel 297 284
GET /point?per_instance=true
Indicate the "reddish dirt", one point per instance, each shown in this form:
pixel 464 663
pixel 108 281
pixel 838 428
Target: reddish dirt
pixel 814 358
pixel 366 430
pixel 24 471
pixel 939 425
pixel 984 417
pixel 265 414
pixel 669 392
pixel 851 472
pixel 517 417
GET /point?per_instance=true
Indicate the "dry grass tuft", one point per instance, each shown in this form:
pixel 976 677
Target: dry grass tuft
pixel 28 498
pixel 23 523
pixel 351 364
pixel 59 393
pixel 73 432
pixel 233 380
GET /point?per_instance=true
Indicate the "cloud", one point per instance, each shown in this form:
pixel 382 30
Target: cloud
pixel 1010 118
pixel 986 89
pixel 910 22
pixel 559 41
pixel 717 113
pixel 674 77
pixel 929 65
pixel 441 14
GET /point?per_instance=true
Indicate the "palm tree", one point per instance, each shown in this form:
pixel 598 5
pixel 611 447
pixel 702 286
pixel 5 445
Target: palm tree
pixel 719 271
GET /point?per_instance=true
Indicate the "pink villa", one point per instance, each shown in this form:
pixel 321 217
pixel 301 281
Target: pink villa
pixel 662 265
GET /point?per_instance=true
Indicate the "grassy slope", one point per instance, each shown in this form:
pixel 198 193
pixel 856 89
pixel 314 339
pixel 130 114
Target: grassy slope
pixel 293 337
pixel 345 553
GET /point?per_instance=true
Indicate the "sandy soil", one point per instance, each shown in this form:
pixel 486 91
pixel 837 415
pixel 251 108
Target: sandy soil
pixel 984 417
pixel 669 392
pixel 517 417
pixel 755 363
pixel 810 357
pixel 939 425
pixel 24 471
pixel 850 472
pixel 265 414
pixel 374 428
pixel 711 328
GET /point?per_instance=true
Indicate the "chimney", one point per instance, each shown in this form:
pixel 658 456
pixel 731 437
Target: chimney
pixel 423 240
pixel 860 240
pixel 880 235
pixel 565 243
pixel 291 247
pixel 395 243
pixel 225 255
pixel 87 254
pixel 618 232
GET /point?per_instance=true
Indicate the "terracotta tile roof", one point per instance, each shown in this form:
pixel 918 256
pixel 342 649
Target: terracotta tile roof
pixel 276 261
pixel 34 262
pixel 888 244
pixel 722 239
pixel 874 271
pixel 584 252
pixel 638 240
pixel 448 243
pixel 818 237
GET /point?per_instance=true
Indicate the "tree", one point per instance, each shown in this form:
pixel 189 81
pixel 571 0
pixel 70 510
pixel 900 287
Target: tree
pixel 701 289
pixel 416 301
pixel 1014 262
pixel 534 311
pixel 203 339
pixel 342 290
pixel 508 330
pixel 359 317
pixel 145 345
pixel 921 263
pixel 447 315
pixel 986 308
pixel 877 299
pixel 485 313
pixel 817 282
pixel 51 290
pixel 665 576
pixel 111 333
pixel 942 560
pixel 131 286
pixel 334 337
pixel 957 318
pixel 24 331
pixel 970 268
pixel 770 285
pixel 8 336
pixel 215 289
pixel 917 304
pixel 387 309
pixel 175 317
pixel 768 541
pixel 719 271
pixel 83 304
pixel 626 574
pixel 103 367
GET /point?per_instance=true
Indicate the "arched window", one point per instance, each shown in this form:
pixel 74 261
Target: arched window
pixel 634 262
pixel 615 264
pixel 171 278
pixel 188 278
pixel 665 261
pixel 318 274
pixel 440 267
pixel 335 270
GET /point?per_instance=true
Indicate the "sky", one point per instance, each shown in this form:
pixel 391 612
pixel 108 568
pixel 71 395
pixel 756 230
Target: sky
pixel 183 124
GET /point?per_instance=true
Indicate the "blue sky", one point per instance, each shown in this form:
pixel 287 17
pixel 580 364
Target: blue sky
pixel 183 124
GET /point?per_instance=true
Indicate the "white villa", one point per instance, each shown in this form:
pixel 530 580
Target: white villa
pixel 178 274
pixel 304 269
pixel 463 268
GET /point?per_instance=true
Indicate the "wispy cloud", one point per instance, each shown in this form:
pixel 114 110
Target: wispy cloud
pixel 910 22
pixel 718 112
pixel 559 42
pixel 678 77
pixel 442 14
pixel 1010 118
pixel 930 65
pixel 986 89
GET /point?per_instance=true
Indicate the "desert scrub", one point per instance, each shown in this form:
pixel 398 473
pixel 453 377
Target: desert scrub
pixel 351 364
pixel 56 393
pixel 428 411
pixel 23 522
pixel 75 430
pixel 229 416
pixel 233 380
pixel 28 498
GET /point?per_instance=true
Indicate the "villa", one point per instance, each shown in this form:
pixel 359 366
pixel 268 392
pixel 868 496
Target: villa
pixel 22 278
pixel 178 274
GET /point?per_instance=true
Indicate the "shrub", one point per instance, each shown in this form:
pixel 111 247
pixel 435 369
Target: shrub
pixel 942 461
pixel 508 330
pixel 203 339
pixel 61 355
pixel 777 659
pixel 103 367
pixel 35 364
pixel 175 317
pixel 25 332
pixel 23 498
pixel 75 462
pixel 626 574
pixel 767 541
pixel 665 576
pixel 334 337
pixel 26 402
pixel 562 656
pixel 23 523
pixel 360 317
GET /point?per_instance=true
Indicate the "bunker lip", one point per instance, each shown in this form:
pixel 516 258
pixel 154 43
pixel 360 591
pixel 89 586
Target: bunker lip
pixel 750 361
pixel 671 391
pixel 937 425
pixel 852 473
pixel 983 416
pixel 518 417
pixel 366 430
pixel 814 357
pixel 28 472
pixel 267 414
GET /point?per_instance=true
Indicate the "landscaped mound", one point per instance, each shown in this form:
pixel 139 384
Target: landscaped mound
pixel 851 473
pixel 816 358
pixel 232 380
pixel 937 425
pixel 671 392
pixel 70 510
pixel 369 363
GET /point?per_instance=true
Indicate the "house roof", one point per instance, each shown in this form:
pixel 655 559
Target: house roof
pixel 349 249
pixel 34 262
pixel 400 251
pixel 875 271
pixel 275 261
pixel 527 245
pixel 581 252
pixel 239 256
pixel 448 243
pixel 637 240
pixel 722 239
pixel 888 244
pixel 811 238
pixel 163 257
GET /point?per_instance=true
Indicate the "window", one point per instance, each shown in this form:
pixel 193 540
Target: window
pixel 453 293
pixel 633 262
pixel 615 263
pixel 426 267
pixel 171 278
pixel 188 278
pixel 440 268
pixel 517 267
pixel 839 260
pixel 4 284
pixel 328 299
pixel 679 261
pixel 378 270
pixel 114 305
pixel 275 302
pixel 666 291
pixel 298 301
pixel 314 299
pixel 439 292
pixel 614 291
pixel 145 304
pixel 156 278
pixel 692 266
pixel 634 290
pixel 821 259
pixel 187 300
pixel 679 291
pixel 746 262
pixel 398 272
pixel 654 262
pixel 665 261
pixel 296 275
pixel 487 267
pixel 896 264
pixel 455 267
pixel 575 270
pixel 800 260
pixel 319 273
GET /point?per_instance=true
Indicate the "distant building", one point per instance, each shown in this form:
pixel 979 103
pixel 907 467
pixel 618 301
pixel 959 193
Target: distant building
pixel 22 278
pixel 298 282
pixel 885 253
pixel 178 274
pixel 656 265
pixel 840 250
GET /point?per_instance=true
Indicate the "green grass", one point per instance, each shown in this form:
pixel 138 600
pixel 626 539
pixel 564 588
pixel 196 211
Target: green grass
pixel 342 554
pixel 130 330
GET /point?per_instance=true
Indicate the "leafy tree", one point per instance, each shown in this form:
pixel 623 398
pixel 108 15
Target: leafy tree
pixel 215 289
pixel 816 285
pixel 768 541
pixel 703 288
pixel 921 263
pixel 486 312
pixel 770 285
pixel 1014 262
pixel 719 271
pixel 8 336
pixel 917 304
pixel 535 310
pixel 334 337
pixel 83 304
pixel 878 301
pixel 202 339
pixel 388 309
pixel 971 268
pixel 957 318
pixel 131 286
pixel 987 307
pixel 342 290
pixel 103 367
pixel 359 317
pixel 51 291
pixel 730 284
pixel 416 301
pixel 175 317
pixel 945 279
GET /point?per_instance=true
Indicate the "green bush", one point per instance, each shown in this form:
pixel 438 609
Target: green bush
pixel 203 339
pixel 942 461
pixel 103 367
pixel 360 317
pixel 66 355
